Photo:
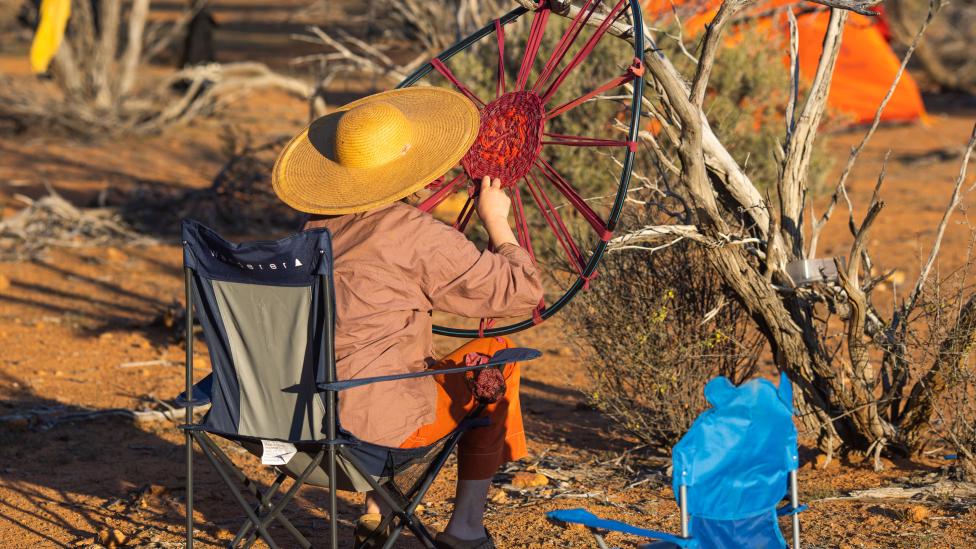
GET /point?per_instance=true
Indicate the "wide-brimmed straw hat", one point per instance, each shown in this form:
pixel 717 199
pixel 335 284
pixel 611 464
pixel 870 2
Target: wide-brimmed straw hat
pixel 375 150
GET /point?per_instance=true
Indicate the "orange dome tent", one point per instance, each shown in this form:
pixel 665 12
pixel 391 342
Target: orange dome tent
pixel 866 65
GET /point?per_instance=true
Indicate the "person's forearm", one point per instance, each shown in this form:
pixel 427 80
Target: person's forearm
pixel 499 231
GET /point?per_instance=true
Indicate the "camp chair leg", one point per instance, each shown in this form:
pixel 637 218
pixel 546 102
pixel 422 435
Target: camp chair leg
pixel 795 503
pixel 398 511
pixel 279 506
pixel 683 496
pixel 263 500
pixel 600 542
pixel 252 488
pixel 189 490
pixel 236 493
pixel 265 503
pixel 405 515
pixel 188 288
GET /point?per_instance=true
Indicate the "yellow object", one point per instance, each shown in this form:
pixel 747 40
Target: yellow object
pixel 50 32
pixel 375 150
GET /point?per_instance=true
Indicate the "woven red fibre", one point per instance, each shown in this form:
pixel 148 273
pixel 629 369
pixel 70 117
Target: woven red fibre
pixel 509 139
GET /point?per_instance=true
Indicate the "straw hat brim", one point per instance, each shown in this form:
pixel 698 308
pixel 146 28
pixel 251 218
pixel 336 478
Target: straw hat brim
pixel 307 177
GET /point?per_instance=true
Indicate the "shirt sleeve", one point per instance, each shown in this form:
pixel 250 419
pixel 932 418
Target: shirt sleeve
pixel 460 279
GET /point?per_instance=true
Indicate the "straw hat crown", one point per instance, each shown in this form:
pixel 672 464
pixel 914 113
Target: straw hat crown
pixel 376 150
pixel 371 135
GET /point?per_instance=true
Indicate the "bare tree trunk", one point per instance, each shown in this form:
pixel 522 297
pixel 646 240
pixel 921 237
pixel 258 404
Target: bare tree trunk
pixel 108 44
pixel 133 48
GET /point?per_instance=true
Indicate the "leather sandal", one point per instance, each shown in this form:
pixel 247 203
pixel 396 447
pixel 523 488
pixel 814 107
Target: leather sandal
pixel 367 536
pixel 444 540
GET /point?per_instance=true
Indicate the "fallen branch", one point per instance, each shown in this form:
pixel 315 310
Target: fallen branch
pixel 939 491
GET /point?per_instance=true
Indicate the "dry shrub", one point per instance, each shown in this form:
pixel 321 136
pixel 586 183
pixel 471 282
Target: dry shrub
pixel 942 335
pixel 654 328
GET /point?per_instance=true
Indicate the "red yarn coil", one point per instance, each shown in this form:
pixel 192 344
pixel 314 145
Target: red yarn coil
pixel 509 138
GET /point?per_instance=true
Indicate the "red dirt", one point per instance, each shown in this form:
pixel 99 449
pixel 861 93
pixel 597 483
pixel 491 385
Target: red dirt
pixel 71 322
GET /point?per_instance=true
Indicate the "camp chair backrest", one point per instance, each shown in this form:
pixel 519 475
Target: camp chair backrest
pixel 735 460
pixel 261 305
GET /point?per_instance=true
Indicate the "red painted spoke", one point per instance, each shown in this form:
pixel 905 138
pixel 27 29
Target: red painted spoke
pixel 521 224
pixel 567 39
pixel 584 51
pixel 465 214
pixel 574 198
pixel 485 324
pixel 500 36
pixel 442 192
pixel 532 46
pixel 555 222
pixel 440 67
pixel 583 141
pixel 569 105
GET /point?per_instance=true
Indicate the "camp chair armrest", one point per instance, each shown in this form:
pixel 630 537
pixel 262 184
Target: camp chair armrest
pixel 499 359
pixel 584 517
pixel 202 391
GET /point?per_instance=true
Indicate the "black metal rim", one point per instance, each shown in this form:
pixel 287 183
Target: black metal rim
pixel 626 170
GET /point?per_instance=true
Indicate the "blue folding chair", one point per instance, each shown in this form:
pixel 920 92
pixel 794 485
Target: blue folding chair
pixel 731 470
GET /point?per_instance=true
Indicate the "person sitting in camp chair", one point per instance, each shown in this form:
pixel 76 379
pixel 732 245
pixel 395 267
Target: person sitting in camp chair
pixel 394 264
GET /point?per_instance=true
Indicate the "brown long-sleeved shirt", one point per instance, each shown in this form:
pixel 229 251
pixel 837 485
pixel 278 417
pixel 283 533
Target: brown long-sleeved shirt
pixel 393 266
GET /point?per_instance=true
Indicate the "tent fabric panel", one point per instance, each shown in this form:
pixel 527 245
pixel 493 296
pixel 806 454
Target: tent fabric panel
pixel 267 332
pixel 866 64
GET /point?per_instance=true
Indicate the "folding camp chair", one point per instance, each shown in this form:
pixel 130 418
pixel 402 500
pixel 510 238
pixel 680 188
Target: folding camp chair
pixel 730 471
pixel 267 313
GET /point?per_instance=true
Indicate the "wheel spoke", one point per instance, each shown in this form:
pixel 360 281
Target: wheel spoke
pixel 567 190
pixel 522 231
pixel 555 222
pixel 440 67
pixel 465 214
pixel 569 105
pixel 583 141
pixel 521 223
pixel 441 193
pixel 566 40
pixel 532 46
pixel 500 36
pixel 584 51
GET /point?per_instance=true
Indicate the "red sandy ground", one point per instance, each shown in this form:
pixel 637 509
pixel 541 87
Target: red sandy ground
pixel 68 321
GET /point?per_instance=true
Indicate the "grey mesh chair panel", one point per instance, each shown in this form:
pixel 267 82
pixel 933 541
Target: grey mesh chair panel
pixel 267 333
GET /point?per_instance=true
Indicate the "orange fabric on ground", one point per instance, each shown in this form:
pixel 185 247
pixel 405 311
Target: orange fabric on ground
pixel 482 450
pixel 866 64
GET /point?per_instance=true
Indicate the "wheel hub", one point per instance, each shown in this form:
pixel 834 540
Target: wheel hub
pixel 509 138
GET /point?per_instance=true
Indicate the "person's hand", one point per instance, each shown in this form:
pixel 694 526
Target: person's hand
pixel 493 207
pixel 493 202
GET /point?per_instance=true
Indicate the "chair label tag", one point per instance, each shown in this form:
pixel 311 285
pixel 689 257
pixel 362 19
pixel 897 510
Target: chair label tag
pixel 277 453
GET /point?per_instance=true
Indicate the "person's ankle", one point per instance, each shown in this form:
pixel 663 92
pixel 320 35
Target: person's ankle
pixel 465 531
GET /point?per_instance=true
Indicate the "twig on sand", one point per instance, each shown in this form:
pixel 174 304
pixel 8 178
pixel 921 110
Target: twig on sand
pixel 142 363
pixel 48 421
pixel 939 491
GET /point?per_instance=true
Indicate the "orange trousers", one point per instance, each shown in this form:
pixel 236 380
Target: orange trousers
pixel 482 450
